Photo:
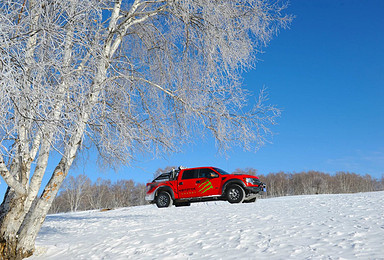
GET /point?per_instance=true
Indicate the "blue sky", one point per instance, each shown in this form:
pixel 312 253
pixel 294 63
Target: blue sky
pixel 327 75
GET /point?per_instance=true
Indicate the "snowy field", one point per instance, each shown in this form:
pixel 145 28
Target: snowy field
pixel 346 226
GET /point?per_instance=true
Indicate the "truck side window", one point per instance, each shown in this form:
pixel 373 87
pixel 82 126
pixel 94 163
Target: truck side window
pixel 189 174
pixel 205 173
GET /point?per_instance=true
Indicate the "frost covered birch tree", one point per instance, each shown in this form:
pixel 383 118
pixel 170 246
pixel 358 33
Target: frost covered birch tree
pixel 125 77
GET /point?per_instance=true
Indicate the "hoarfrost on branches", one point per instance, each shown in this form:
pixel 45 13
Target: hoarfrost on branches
pixel 126 77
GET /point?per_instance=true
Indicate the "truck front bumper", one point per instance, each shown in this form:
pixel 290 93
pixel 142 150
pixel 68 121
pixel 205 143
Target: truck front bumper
pixel 150 197
pixel 256 189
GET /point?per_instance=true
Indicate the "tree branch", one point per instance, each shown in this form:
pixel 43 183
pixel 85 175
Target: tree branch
pixel 9 179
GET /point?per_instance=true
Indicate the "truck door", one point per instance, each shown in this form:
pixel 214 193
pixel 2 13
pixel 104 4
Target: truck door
pixel 187 184
pixel 208 183
pixel 199 183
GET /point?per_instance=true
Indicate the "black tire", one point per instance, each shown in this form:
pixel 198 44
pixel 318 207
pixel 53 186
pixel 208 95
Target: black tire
pixel 164 200
pixel 235 194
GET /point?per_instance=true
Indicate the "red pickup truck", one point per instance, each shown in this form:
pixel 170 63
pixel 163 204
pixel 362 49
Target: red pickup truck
pixel 185 185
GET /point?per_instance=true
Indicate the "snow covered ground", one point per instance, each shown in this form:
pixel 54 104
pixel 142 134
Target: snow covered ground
pixel 345 226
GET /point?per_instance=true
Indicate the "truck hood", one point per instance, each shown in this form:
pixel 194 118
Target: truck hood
pixel 243 175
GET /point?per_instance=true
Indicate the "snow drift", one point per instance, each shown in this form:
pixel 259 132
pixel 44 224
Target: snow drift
pixel 344 226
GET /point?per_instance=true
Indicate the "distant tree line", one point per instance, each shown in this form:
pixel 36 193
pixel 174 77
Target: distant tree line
pixel 80 193
pixel 315 182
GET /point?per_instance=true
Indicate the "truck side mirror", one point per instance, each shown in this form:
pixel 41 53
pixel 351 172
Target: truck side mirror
pixel 213 175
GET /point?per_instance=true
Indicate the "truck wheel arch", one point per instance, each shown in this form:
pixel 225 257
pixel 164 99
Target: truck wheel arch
pixel 167 189
pixel 230 182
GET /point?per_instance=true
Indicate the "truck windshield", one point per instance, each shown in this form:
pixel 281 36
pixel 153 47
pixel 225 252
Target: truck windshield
pixel 221 171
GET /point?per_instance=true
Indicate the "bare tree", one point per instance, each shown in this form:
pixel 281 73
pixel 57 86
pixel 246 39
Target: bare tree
pixel 74 190
pixel 98 194
pixel 139 194
pixel 77 193
pixel 122 192
pixel 250 171
pixel 313 182
pixel 126 77
pixel 59 205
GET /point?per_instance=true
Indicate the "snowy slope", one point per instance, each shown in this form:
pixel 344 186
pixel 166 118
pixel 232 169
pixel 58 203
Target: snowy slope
pixel 346 226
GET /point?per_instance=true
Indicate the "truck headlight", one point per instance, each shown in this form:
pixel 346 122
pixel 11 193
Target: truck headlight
pixel 253 181
pixel 249 180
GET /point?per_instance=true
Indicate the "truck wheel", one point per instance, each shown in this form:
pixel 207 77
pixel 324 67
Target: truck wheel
pixel 235 194
pixel 163 200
